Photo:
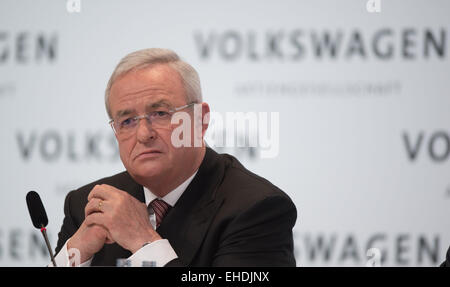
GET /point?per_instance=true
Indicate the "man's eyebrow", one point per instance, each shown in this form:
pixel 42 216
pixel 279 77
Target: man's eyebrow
pixel 158 104
pixel 122 113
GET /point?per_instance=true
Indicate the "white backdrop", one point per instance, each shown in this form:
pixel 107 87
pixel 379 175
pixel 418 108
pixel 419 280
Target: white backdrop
pixel 363 100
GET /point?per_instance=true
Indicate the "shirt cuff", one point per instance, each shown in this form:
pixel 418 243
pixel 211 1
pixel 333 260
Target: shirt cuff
pixel 158 253
pixel 62 259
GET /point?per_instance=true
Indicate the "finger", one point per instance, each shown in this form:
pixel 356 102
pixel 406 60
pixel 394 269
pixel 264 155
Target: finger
pixel 94 191
pixel 109 239
pixel 95 205
pixel 97 218
pixel 104 191
pixel 101 191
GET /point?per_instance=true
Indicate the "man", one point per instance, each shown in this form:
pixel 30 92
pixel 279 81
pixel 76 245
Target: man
pixel 174 205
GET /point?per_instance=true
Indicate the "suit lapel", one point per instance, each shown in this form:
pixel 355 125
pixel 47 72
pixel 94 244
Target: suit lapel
pixel 186 224
pixel 134 188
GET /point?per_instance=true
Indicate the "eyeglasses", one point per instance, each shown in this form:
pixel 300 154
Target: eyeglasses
pixel 124 126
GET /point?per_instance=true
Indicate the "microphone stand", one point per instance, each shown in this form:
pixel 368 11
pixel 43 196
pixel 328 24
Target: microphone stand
pixel 44 232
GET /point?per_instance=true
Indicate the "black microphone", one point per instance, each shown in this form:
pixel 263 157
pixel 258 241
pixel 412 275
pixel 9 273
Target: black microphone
pixel 39 218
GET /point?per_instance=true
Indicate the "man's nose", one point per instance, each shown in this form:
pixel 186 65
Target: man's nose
pixel 145 131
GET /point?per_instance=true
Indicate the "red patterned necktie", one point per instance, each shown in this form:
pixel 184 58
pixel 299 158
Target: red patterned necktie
pixel 160 207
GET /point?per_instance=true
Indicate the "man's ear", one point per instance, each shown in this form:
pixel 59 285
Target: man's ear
pixel 205 118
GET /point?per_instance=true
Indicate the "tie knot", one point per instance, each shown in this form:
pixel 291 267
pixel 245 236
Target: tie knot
pixel 160 207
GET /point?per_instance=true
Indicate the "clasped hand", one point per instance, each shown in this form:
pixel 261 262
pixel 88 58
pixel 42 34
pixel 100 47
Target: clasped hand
pixel 112 215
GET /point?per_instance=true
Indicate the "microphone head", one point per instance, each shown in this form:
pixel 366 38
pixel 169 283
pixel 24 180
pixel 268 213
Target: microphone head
pixel 37 210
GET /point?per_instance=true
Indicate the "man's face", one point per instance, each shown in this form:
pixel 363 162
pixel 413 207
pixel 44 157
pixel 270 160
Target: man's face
pixel 148 153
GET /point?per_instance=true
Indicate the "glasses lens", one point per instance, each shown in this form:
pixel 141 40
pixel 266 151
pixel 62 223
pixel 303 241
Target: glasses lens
pixel 124 125
pixel 160 119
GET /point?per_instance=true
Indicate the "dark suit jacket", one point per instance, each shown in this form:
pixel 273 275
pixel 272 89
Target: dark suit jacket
pixel 227 216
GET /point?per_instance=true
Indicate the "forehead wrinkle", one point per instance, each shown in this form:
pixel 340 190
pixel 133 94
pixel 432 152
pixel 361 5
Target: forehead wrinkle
pixel 162 87
pixel 144 90
pixel 138 95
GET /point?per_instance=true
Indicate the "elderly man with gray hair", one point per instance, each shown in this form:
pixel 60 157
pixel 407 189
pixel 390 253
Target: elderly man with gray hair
pixel 174 205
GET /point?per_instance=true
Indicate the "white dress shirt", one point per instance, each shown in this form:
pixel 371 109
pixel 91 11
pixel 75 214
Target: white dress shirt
pixel 159 251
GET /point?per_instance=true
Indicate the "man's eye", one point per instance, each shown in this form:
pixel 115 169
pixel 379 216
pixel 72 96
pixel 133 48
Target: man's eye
pixel 127 122
pixel 160 114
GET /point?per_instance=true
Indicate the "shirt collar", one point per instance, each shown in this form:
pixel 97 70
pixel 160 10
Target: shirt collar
pixel 172 197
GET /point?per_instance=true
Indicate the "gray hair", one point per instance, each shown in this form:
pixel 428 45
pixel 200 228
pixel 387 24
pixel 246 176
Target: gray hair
pixel 144 58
